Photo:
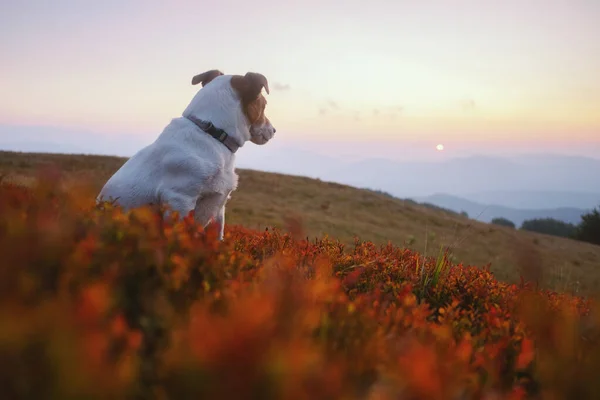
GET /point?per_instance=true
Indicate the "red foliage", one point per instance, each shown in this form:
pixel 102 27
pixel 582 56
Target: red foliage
pixel 97 303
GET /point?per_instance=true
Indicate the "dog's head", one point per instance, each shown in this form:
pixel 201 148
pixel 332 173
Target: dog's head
pixel 248 89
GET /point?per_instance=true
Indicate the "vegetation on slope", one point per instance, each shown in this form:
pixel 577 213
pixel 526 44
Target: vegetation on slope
pixel 589 228
pixel 266 200
pixel 95 303
pixel 550 226
pixel 503 222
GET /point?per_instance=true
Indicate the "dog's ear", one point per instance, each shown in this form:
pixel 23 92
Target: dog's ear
pixel 206 77
pixel 257 82
pixel 250 85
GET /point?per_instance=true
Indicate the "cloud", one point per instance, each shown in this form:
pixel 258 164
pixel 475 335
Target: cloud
pixel 389 112
pixel 329 105
pixel 394 111
pixel 468 105
pixel 282 87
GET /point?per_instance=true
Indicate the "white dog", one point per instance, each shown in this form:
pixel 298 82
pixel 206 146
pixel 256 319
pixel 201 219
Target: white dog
pixel 190 166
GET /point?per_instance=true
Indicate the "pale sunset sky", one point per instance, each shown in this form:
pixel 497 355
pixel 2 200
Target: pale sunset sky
pixel 469 74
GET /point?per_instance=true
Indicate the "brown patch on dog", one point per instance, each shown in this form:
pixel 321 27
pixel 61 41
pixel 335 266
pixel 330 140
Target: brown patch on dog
pixel 249 88
pixel 206 77
pixel 255 111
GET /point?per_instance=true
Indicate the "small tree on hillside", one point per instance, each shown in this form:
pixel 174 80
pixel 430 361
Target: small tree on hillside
pixel 588 229
pixel 550 226
pixel 503 222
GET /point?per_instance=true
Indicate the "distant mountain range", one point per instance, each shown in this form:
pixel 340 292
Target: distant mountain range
pixel 536 199
pixel 518 187
pixel 463 176
pixel 487 212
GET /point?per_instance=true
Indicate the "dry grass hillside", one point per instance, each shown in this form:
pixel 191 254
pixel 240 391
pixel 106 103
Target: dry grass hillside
pixel 272 200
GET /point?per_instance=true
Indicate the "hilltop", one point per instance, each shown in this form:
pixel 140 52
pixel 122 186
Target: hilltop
pixel 266 200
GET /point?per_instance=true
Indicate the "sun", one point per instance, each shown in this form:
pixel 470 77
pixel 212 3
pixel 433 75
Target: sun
pixel 439 147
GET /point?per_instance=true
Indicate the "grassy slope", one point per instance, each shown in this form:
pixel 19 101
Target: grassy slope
pixel 266 199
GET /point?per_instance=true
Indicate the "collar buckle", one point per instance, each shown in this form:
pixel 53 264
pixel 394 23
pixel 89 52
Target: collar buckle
pixel 218 134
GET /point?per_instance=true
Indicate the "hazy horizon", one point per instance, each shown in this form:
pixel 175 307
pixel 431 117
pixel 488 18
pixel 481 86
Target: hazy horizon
pixel 17 137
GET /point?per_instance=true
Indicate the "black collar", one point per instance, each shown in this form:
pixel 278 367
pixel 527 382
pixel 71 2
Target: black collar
pixel 215 132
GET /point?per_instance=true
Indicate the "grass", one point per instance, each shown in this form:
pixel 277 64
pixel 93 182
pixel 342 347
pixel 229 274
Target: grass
pixel 342 212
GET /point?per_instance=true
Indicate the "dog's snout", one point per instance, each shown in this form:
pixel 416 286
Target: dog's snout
pixel 274 130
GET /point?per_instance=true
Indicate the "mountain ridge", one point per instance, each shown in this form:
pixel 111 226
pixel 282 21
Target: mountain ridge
pixel 512 177
pixel 487 212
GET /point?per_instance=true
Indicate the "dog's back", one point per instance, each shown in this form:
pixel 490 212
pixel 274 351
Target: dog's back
pixel 129 186
pixel 181 158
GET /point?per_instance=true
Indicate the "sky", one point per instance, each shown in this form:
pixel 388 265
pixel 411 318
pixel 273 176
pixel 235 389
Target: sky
pixel 381 77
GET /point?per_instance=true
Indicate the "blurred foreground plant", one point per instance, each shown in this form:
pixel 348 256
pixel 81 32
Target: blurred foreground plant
pixel 97 303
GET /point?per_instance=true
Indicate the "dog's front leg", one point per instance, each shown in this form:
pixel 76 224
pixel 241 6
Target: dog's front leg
pixel 211 207
pixel 220 219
